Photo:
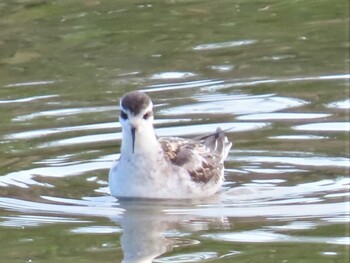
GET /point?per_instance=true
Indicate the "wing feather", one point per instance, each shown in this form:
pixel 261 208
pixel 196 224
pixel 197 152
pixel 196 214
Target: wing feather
pixel 202 164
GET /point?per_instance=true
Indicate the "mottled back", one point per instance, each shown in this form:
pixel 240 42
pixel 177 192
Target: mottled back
pixel 203 158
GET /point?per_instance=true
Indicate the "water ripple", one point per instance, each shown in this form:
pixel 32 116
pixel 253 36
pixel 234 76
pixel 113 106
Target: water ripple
pixel 215 84
pixel 184 85
pixel 343 104
pixel 45 132
pixel 290 211
pixel 56 168
pixel 28 99
pixel 105 209
pixel 229 44
pixel 325 126
pixel 298 137
pixel 237 105
pixel 172 75
pixel 24 178
pixel 283 116
pixel 190 257
pixel 319 161
pixel 32 83
pixel 96 230
pixel 65 112
pixel 264 236
pixel 35 220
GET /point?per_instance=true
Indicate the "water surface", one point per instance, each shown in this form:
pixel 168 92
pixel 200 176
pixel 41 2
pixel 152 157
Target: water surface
pixel 274 74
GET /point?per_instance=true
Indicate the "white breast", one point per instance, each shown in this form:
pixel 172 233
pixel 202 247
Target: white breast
pixel 136 178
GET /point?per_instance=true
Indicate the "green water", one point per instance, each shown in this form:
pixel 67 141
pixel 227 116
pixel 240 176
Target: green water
pixel 275 72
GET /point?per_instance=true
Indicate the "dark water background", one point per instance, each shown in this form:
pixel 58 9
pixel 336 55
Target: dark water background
pixel 275 72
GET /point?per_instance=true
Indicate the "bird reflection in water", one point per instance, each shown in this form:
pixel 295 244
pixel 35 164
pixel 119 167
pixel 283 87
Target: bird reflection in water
pixel 152 228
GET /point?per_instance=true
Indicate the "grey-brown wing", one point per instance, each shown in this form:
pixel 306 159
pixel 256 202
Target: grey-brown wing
pixel 202 164
pixel 217 142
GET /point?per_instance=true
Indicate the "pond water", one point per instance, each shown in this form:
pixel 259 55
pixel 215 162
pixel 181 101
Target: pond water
pixel 275 74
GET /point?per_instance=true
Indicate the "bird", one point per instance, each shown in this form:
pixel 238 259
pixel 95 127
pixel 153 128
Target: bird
pixel 153 167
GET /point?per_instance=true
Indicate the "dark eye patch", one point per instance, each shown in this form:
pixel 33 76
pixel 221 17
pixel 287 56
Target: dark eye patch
pixel 123 115
pixel 147 115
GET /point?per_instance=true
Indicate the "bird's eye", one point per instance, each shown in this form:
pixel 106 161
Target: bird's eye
pixel 123 115
pixel 147 115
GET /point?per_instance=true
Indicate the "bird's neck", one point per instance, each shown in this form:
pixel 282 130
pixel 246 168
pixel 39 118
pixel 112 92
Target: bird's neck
pixel 146 144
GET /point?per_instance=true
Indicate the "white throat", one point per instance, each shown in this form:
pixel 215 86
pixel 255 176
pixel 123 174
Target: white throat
pixel 139 136
pixel 145 142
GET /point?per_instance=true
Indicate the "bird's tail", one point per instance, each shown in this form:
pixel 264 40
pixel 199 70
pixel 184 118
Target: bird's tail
pixel 218 143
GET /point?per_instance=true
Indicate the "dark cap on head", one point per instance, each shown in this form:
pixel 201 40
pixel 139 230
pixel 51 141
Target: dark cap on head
pixel 135 101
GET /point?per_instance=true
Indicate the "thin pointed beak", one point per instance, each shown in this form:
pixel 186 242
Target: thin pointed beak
pixel 133 129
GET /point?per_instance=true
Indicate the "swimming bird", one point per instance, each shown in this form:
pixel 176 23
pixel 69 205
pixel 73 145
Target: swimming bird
pixel 164 168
